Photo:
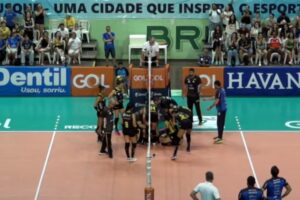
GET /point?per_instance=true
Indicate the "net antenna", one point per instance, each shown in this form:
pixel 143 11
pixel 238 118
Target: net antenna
pixel 149 190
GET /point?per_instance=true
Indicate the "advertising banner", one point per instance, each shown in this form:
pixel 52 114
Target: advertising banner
pixel 35 81
pixel 149 9
pixel 275 81
pixel 140 96
pixel 139 77
pixel 208 76
pixel 85 80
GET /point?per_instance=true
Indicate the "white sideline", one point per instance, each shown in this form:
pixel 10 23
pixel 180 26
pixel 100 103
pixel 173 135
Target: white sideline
pixel 36 196
pixel 247 150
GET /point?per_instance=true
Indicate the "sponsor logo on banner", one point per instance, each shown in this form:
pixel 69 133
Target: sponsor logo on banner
pixel 5 124
pixel 34 81
pixel 85 80
pixel 208 76
pixel 139 78
pixel 262 81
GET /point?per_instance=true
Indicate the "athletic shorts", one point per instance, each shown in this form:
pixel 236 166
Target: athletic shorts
pixel 110 51
pixel 118 106
pixel 154 117
pixel 130 132
pixel 186 124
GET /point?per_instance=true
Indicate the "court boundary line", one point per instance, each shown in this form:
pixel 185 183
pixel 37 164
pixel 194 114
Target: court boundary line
pixel 36 196
pixel 194 131
pixel 247 150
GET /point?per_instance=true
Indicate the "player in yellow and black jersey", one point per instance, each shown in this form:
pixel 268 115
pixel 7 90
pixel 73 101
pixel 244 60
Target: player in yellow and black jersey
pixel 182 116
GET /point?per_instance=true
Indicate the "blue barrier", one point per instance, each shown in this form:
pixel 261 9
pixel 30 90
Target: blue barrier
pixel 35 81
pixel 253 81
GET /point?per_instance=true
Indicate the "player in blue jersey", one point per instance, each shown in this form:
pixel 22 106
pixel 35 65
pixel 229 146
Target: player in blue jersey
pixel 275 185
pixel 251 192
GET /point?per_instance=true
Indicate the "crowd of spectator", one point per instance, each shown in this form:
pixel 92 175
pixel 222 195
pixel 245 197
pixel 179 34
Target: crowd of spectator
pixel 21 38
pixel 251 39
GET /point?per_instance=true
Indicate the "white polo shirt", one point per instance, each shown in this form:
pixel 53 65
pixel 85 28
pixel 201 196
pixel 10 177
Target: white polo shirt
pixel 150 50
pixel 207 191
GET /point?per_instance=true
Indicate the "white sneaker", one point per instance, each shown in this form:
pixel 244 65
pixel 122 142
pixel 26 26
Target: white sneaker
pixel 133 159
pixel 259 64
pixel 173 158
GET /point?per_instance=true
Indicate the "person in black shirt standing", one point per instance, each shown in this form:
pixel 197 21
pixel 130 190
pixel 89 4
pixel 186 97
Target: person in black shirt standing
pixel 193 84
pixel 99 106
pixel 251 192
pixel 108 126
pixel 129 126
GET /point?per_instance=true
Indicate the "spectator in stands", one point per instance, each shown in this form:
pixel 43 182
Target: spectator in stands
pixel 251 192
pixel 28 9
pixel 77 30
pixel 268 24
pixel 59 48
pixel 283 19
pixel 10 16
pixel 12 45
pixel 218 45
pixel 246 20
pixel 29 25
pixel 261 50
pixel 205 58
pixel 284 31
pixel 275 45
pixel 255 29
pixel 43 46
pixel 275 28
pixel 109 45
pixel 232 26
pixel 69 22
pixel 207 189
pixel 214 17
pixel 275 185
pixel 63 31
pixel 232 50
pixel 256 19
pixel 2 50
pixel 298 50
pixel 74 46
pixel 150 51
pixel 39 18
pixel 4 31
pixel 297 29
pixel 27 50
pixel 290 47
pixel 245 49
pixel 226 14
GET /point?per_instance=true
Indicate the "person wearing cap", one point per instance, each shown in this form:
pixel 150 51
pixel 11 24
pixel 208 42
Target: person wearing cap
pixel 129 125
pixel 117 95
pixel 275 185
pixel 251 192
pixel 69 22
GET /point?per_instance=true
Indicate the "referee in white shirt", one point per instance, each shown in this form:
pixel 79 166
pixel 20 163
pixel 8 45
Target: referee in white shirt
pixel 207 190
pixel 150 49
